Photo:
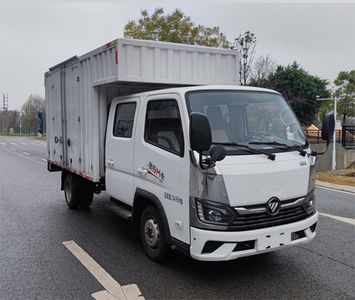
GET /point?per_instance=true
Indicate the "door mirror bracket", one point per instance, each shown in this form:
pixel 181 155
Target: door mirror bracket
pixel 217 153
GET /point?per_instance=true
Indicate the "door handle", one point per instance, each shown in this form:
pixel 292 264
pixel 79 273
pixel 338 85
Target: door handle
pixel 110 162
pixel 142 171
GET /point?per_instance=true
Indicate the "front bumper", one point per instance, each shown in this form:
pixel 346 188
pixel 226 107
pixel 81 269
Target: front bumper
pixel 259 240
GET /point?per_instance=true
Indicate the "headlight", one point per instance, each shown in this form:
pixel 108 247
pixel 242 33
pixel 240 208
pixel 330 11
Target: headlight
pixel 312 178
pixel 214 213
pixel 312 173
pixel 309 203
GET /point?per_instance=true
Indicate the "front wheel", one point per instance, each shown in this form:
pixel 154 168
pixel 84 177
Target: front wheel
pixel 152 234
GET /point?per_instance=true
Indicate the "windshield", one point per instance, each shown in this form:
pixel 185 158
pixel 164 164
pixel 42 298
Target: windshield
pixel 263 120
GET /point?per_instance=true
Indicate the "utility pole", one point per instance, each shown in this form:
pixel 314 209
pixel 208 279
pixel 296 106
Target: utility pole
pixel 334 156
pixel 20 122
pixel 5 103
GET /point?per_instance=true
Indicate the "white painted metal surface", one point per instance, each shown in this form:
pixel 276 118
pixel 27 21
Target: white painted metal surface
pixel 120 155
pixel 79 91
pixel 172 188
pixel 147 61
pixel 266 240
pixel 251 179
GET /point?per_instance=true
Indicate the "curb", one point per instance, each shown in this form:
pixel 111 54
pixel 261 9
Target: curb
pixel 338 187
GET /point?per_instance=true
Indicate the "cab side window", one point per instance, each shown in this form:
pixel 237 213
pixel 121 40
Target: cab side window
pixel 124 116
pixel 163 126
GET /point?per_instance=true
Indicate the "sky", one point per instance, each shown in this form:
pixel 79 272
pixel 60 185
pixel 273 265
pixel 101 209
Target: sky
pixel 37 34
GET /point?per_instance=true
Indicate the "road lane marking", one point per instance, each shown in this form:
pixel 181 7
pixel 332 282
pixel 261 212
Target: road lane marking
pixel 24 144
pixel 37 143
pixel 26 153
pixel 44 159
pixel 334 190
pixel 113 290
pixel 343 219
pixel 15 144
pixel 132 292
pixel 23 156
pixel 103 295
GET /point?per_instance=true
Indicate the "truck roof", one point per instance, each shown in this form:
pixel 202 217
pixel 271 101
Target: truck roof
pixel 185 89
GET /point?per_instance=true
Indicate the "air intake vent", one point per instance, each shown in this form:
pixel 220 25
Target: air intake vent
pixel 246 245
pixel 297 235
pixel 211 246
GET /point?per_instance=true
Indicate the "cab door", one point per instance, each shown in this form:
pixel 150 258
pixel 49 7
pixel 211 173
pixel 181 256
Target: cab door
pixel 162 161
pixel 120 149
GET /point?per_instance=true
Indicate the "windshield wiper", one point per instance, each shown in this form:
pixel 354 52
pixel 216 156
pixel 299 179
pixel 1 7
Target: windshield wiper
pixel 246 148
pixel 297 148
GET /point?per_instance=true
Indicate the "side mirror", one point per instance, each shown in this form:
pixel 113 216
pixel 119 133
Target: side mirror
pixel 327 131
pixel 200 132
pixel 328 127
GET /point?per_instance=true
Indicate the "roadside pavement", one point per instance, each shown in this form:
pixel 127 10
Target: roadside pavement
pixel 339 187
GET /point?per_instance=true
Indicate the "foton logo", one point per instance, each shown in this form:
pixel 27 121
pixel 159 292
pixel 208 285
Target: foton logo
pixel 273 206
pixel 155 171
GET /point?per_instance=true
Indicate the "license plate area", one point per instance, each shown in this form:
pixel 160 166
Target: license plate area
pixel 273 240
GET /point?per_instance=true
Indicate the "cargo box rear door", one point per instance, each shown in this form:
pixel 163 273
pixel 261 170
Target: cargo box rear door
pixel 63 109
pixel 72 130
pixel 54 117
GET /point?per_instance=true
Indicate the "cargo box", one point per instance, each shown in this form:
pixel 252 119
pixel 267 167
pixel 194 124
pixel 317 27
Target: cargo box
pixel 79 90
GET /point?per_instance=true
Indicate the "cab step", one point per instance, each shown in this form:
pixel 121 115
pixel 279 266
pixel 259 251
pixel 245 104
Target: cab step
pixel 120 209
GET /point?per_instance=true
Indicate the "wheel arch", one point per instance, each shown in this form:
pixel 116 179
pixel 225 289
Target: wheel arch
pixel 142 199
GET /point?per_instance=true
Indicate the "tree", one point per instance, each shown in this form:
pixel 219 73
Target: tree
pixel 263 67
pixel 345 83
pixel 32 106
pixel 300 89
pixel 14 120
pixel 245 44
pixel 175 27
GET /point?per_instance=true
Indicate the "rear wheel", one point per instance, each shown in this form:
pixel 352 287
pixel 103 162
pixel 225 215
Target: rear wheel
pixel 77 192
pixel 152 234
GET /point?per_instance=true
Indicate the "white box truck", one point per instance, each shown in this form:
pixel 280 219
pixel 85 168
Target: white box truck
pixel 194 161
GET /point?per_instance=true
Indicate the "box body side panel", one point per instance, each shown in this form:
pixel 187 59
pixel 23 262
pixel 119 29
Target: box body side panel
pixel 167 63
pixel 102 64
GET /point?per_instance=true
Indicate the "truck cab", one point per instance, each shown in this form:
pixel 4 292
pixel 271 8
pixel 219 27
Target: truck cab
pixel 255 195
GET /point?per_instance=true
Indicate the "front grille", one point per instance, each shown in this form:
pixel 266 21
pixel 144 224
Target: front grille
pixel 263 219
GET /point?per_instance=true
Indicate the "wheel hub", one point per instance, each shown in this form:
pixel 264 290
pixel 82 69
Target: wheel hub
pixel 152 233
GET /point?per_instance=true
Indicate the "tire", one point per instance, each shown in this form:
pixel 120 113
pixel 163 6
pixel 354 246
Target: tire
pixel 87 194
pixel 152 234
pixel 77 192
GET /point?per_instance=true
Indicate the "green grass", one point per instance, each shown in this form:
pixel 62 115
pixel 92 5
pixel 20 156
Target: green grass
pixel 17 134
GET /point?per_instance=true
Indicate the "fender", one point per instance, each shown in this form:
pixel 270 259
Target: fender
pixel 137 209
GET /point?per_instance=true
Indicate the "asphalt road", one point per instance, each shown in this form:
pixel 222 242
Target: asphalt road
pixel 34 264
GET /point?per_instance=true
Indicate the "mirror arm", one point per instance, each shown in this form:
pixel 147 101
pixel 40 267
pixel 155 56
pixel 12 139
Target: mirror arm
pixel 315 153
pixel 200 161
pixel 209 164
